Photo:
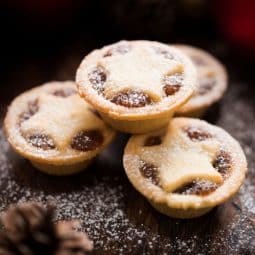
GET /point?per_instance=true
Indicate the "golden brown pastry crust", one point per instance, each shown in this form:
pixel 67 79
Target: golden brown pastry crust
pixel 60 117
pixel 171 203
pixel 140 69
pixel 206 64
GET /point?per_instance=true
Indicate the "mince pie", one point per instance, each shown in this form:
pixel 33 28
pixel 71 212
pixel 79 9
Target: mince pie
pixel 186 169
pixel 212 82
pixel 55 129
pixel 136 86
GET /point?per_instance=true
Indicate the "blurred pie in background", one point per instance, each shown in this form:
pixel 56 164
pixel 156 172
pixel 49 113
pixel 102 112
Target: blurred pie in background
pixel 212 82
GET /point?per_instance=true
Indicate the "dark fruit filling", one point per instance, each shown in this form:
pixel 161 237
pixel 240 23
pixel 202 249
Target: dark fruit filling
pixel 222 163
pixel 41 141
pixel 32 108
pixel 149 171
pixel 172 83
pixel 64 92
pixel 171 89
pixel 97 78
pixel 120 49
pixel 131 99
pixel 152 141
pixel 87 140
pixel 197 134
pixel 197 187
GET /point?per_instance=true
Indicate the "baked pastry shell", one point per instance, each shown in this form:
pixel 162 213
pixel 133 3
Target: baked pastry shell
pixel 50 162
pixel 187 206
pixel 140 119
pixel 197 108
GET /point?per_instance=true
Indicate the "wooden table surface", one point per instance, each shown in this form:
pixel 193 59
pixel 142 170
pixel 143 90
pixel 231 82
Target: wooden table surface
pixel 116 217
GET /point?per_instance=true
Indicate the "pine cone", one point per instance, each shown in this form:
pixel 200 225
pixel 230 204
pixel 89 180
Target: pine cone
pixel 29 230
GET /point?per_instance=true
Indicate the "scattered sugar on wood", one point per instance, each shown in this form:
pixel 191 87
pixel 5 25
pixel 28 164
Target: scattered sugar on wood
pixel 100 204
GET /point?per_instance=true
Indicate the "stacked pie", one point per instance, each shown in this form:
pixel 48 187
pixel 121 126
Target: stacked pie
pixel 137 86
pixel 183 166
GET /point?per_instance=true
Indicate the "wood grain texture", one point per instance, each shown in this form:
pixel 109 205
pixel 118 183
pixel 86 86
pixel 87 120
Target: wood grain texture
pixel 116 217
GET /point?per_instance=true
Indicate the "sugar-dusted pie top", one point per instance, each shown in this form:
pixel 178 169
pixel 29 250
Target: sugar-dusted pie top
pixel 130 79
pixel 212 79
pixel 190 164
pixel 52 122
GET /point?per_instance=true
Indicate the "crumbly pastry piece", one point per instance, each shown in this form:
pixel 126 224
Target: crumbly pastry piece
pixel 55 129
pixel 212 82
pixel 136 85
pixel 186 169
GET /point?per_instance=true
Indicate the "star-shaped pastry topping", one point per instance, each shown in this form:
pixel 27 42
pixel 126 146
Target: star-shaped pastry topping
pixel 181 161
pixel 61 118
pixel 140 69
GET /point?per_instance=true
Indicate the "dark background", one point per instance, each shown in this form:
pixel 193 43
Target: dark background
pixel 45 40
pixel 50 37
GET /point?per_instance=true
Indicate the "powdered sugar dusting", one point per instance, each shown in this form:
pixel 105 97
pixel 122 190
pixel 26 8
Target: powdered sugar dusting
pixel 97 77
pixel 198 187
pixel 41 141
pixel 131 99
pixel 174 79
pixel 100 205
pixel 119 220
